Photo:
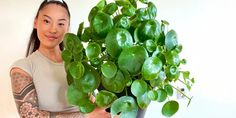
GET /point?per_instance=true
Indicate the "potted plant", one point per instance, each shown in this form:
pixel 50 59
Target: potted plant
pixel 127 56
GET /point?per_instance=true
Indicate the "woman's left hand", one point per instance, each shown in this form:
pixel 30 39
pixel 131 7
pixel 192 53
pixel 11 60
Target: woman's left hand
pixel 98 113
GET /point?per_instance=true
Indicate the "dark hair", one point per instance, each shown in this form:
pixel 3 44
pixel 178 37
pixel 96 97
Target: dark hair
pixel 34 42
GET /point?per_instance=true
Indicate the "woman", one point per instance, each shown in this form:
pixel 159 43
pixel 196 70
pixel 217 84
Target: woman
pixel 39 81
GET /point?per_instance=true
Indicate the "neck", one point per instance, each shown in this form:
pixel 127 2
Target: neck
pixel 53 54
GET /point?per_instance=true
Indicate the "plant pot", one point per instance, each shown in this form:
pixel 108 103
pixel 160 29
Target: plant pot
pixel 141 113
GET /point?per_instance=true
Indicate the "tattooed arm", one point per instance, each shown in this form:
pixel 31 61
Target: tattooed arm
pixel 26 98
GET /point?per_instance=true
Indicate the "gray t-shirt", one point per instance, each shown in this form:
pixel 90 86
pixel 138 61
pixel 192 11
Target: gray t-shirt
pixel 50 82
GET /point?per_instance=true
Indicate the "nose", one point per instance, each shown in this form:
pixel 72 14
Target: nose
pixel 53 29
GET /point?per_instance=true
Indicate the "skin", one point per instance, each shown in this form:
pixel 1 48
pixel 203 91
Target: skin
pixel 51 24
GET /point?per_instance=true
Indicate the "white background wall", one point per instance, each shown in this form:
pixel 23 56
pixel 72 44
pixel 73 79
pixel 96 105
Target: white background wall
pixel 206 28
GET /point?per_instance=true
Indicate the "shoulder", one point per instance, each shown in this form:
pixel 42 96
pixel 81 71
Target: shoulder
pixel 24 64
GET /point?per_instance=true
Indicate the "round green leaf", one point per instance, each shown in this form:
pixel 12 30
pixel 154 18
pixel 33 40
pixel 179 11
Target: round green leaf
pixel 147 30
pixel 132 59
pixel 101 4
pixel 128 78
pixel 128 114
pixel 128 10
pixel 90 80
pixel 183 61
pixel 162 95
pixel 116 40
pixel 78 56
pixel 66 55
pixel 178 48
pixel 139 87
pixel 150 45
pixel 156 82
pixel 159 81
pixel 172 72
pixel 76 70
pixel 151 68
pixel 121 21
pixel 109 69
pixel 142 14
pixel 171 40
pixel 122 2
pixel 102 23
pixel 78 48
pixel 105 98
pixel 70 40
pixel 77 52
pixel 110 8
pixel 93 50
pixel 88 107
pixel 186 74
pixel 170 108
pixel 152 10
pixel 92 13
pixel 172 58
pixel 152 95
pixel 75 96
pixel 115 84
pixel 143 101
pixel 126 106
pixel 169 89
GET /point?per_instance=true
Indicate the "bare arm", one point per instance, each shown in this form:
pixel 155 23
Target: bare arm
pixel 26 98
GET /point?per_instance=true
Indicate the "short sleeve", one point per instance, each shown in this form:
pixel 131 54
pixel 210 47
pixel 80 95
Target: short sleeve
pixel 23 64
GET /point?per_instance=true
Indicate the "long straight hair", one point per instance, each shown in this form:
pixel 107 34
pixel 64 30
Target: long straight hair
pixel 34 42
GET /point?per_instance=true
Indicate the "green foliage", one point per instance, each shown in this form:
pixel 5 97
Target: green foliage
pixel 128 51
pixel 151 68
pixel 105 98
pixel 121 39
pixel 126 106
pixel 109 69
pixel 170 108
pixel 132 59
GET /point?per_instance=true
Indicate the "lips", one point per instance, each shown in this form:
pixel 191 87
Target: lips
pixel 51 38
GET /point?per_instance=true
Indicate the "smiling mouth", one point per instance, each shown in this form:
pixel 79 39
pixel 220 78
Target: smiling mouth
pixel 51 37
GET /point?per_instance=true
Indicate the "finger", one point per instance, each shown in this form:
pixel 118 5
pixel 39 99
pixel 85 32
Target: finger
pixel 101 109
pixel 92 98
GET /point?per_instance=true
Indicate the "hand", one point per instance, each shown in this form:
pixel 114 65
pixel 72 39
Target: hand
pixel 98 113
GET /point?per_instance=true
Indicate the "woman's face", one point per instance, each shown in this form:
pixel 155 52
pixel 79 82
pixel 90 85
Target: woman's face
pixel 52 23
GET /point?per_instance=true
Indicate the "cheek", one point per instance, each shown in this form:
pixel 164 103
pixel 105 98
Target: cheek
pixel 42 29
pixel 63 31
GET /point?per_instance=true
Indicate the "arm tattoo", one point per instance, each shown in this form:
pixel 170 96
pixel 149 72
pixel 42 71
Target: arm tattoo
pixel 26 98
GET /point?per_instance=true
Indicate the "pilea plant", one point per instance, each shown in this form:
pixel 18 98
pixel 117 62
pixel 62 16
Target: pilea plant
pixel 127 56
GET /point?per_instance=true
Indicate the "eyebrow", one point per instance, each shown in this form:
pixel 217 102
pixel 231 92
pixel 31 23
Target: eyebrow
pixel 63 19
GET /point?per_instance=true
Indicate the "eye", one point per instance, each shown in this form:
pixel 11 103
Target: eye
pixel 61 24
pixel 46 21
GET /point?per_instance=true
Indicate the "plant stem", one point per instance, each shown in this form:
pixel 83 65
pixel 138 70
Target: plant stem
pixel 183 82
pixel 181 92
